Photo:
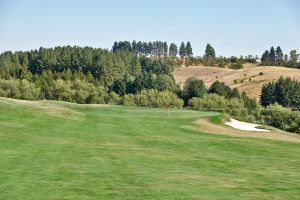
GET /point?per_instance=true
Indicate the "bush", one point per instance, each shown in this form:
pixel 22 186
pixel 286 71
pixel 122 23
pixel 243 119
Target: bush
pixel 62 91
pixel 214 102
pixel 282 118
pixel 9 88
pixel 154 98
pixel 114 98
pixel 222 89
pixel 28 90
pixel 236 66
pixel 193 88
pixel 19 89
pixel 128 100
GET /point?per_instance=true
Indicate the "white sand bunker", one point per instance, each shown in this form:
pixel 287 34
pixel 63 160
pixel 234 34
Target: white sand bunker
pixel 244 125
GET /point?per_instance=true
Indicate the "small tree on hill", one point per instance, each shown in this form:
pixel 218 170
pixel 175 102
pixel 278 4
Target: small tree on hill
pixel 182 50
pixel 193 88
pixel 188 49
pixel 173 50
pixel 278 55
pixel 165 49
pixel 272 55
pixel 209 52
pixel 265 58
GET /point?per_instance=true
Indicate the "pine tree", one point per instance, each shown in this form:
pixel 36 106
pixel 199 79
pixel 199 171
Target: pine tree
pixel 189 50
pixel 294 56
pixel 145 48
pixel 209 52
pixel 267 96
pixel 272 55
pixel 150 48
pixel 165 49
pixel 286 58
pixel 155 49
pixel 115 47
pixel 139 47
pixel 160 48
pixel 278 55
pixel 265 58
pixel 134 46
pixel 173 50
pixel 182 50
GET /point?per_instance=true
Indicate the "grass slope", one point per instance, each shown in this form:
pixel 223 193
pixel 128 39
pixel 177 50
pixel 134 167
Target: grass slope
pixel 98 152
pixel 247 79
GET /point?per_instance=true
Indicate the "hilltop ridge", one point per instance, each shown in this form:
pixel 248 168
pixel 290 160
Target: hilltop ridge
pixel 250 79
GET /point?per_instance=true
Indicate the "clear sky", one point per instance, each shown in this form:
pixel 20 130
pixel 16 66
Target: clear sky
pixel 233 27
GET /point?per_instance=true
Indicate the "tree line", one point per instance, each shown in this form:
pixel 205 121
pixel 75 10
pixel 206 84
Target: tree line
pixel 159 49
pixel 281 101
pixel 154 49
pixel 217 97
pixel 284 91
pixel 82 75
pixel 92 75
pixel 209 58
pixel 278 58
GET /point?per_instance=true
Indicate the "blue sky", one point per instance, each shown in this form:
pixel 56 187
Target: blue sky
pixel 233 27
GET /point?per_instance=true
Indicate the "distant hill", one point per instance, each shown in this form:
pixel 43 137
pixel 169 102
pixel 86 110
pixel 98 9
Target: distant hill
pixel 249 79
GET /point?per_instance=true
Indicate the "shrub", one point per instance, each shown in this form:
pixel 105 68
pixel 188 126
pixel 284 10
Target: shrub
pixel 114 98
pixel 222 65
pixel 222 89
pixel 154 98
pixel 236 66
pixel 9 88
pixel 193 88
pixel 282 118
pixel 62 91
pixel 19 89
pixel 128 100
pixel 214 102
pixel 98 94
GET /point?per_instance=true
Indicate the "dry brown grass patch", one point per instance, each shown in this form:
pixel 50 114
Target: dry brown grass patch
pixel 251 83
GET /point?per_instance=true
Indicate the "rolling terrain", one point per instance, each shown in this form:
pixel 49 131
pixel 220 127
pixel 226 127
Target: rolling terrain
pixel 250 79
pixel 58 150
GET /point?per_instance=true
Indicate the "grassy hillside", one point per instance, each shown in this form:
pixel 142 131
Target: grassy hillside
pixel 248 79
pixel 55 150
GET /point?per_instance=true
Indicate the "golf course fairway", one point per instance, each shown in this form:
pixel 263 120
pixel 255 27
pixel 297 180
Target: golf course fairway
pixel 56 150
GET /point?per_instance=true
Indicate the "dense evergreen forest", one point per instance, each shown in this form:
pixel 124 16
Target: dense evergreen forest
pixel 140 73
pixel 284 91
pixel 82 75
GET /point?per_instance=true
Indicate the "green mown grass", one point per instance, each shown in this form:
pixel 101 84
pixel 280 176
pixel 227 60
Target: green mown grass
pixel 135 153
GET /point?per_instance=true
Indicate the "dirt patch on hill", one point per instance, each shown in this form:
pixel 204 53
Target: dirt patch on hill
pixel 205 125
pixel 250 79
